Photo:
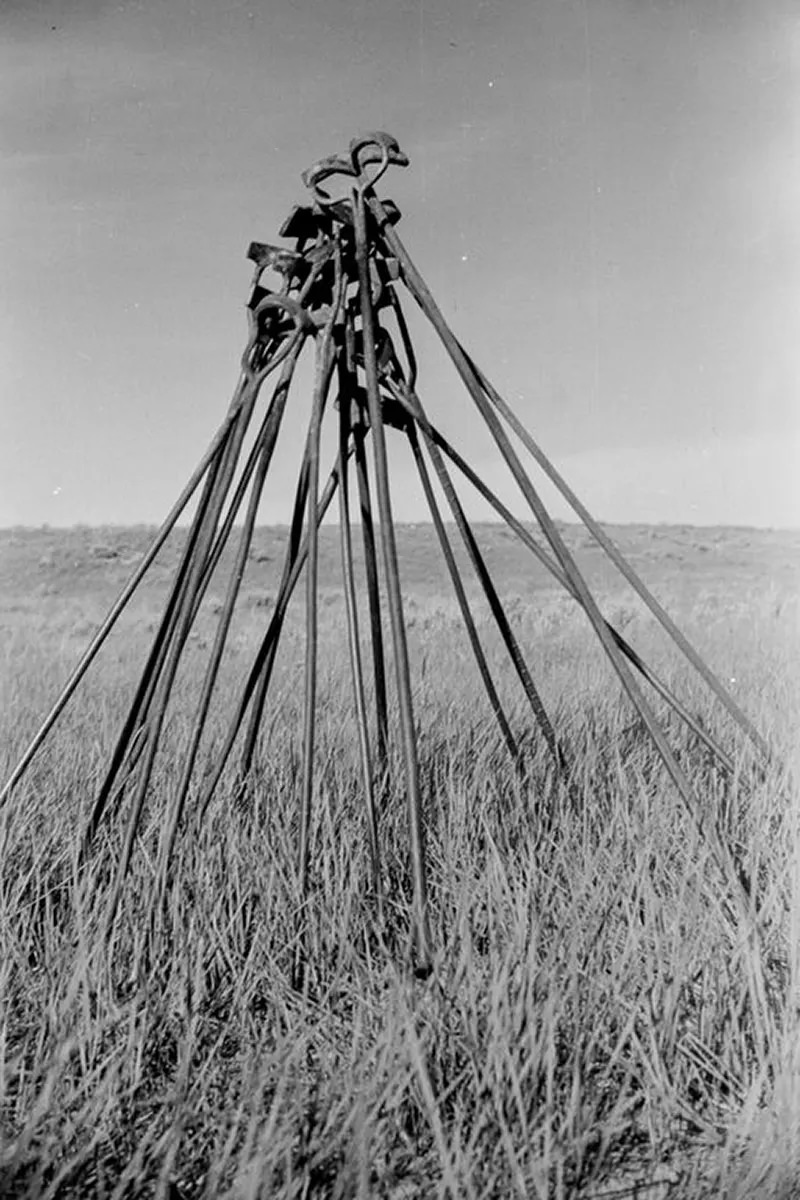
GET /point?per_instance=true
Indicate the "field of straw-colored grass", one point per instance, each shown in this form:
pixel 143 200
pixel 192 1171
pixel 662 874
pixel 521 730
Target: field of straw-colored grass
pixel 600 1015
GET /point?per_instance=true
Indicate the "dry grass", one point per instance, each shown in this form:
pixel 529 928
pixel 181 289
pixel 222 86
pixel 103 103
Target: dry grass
pixel 598 1014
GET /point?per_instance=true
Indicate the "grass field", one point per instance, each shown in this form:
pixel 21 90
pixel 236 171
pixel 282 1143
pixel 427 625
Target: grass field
pixel 601 1014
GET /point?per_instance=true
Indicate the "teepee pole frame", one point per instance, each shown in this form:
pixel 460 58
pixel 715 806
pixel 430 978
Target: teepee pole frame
pixel 348 268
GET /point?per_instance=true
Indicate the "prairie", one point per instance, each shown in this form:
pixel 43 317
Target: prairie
pixel 601 1017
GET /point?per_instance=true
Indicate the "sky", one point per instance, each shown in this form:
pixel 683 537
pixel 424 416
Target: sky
pixel 603 196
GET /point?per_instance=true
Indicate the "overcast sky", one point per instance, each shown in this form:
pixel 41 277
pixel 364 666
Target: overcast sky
pixel 603 196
